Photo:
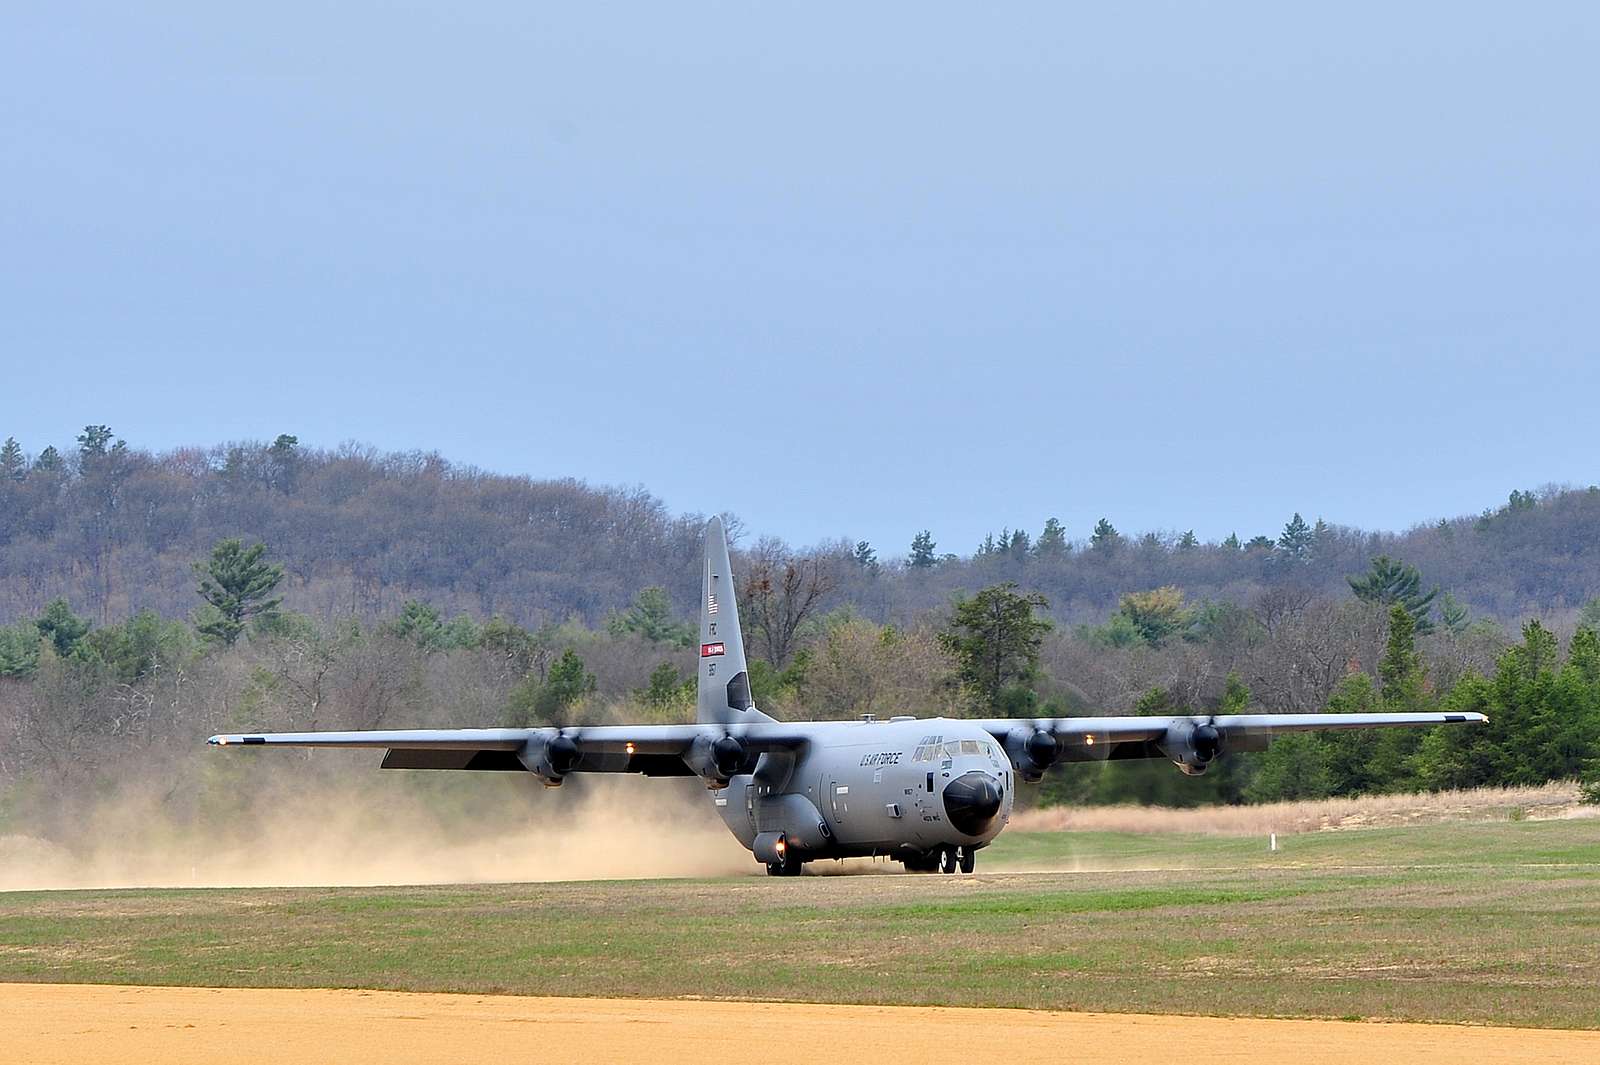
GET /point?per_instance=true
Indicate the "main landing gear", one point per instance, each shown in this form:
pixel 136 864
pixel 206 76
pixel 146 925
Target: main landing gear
pixel 944 859
pixel 789 865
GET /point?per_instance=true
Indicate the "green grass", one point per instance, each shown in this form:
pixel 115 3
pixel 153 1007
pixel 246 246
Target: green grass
pixel 1492 923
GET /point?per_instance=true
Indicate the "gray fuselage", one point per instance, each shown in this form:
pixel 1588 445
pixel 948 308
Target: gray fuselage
pixel 860 788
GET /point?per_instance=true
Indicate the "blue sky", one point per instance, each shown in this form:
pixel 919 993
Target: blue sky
pixel 840 271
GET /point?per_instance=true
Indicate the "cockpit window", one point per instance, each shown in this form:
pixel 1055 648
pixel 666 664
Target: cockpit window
pixel 969 747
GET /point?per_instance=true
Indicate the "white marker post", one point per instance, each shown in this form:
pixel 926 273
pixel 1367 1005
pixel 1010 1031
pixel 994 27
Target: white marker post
pixel 1272 842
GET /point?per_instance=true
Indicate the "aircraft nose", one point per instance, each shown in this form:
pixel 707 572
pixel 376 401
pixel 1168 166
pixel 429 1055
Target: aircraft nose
pixel 971 802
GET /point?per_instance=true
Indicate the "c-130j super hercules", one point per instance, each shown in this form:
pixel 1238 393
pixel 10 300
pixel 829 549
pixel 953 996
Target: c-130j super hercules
pixel 928 792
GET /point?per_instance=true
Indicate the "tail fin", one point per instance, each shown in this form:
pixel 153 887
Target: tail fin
pixel 724 680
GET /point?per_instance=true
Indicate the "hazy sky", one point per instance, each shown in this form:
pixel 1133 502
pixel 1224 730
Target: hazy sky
pixel 843 270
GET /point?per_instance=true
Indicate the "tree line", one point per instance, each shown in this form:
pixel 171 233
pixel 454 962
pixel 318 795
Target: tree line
pixel 84 705
pixel 113 529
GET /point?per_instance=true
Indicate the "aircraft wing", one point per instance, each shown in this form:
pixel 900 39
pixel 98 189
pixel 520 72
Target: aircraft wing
pixel 1084 739
pixel 654 750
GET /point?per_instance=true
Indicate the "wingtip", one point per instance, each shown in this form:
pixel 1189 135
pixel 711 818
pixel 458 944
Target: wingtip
pixel 218 741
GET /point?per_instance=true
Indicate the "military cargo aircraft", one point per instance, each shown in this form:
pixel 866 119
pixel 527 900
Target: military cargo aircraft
pixel 927 792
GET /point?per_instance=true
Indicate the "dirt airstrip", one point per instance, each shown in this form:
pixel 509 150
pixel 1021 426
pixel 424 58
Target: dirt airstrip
pixel 56 1024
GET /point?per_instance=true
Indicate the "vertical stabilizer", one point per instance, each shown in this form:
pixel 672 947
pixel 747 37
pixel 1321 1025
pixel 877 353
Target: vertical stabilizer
pixel 724 680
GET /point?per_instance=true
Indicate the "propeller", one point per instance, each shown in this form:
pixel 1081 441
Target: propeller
pixel 562 754
pixel 1206 740
pixel 1042 748
pixel 728 755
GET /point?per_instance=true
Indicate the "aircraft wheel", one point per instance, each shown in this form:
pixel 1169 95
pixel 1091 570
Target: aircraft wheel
pixel 947 859
pixel 969 859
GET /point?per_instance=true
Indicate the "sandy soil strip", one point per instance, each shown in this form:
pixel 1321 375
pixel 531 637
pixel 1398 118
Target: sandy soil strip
pixel 54 1024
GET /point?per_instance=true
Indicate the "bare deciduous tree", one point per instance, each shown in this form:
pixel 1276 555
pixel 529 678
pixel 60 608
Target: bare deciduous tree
pixel 781 590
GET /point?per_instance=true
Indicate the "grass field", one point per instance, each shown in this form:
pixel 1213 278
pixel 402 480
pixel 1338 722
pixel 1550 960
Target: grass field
pixel 1479 922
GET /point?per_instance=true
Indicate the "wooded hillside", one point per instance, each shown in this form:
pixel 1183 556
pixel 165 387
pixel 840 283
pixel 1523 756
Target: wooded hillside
pixel 114 529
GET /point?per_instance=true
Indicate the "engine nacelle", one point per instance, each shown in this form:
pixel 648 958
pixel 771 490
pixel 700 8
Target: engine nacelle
pixel 1192 746
pixel 716 760
pixel 550 758
pixel 1032 751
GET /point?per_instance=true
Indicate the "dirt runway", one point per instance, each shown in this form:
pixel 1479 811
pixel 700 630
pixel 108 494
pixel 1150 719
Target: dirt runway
pixel 55 1024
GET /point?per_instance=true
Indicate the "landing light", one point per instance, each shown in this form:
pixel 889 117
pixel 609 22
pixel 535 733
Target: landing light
pixel 1089 740
pixel 781 846
pixel 629 748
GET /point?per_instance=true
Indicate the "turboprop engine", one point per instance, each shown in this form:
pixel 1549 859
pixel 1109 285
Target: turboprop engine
pixel 1192 746
pixel 716 760
pixel 1032 751
pixel 550 758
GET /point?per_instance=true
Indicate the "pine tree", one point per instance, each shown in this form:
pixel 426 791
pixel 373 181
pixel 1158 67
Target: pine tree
pixel 13 464
pixel 922 546
pixel 61 626
pixel 1521 501
pixel 1583 654
pixel 1105 537
pixel 1052 543
pixel 995 639
pixel 1017 545
pixel 866 557
pixel 1297 538
pixel 667 688
pixel 1455 616
pixel 283 458
pixel 546 702
pixel 420 623
pixel 238 584
pixel 93 441
pixel 1232 542
pixel 1188 542
pixel 49 460
pixel 650 616
pixel 1400 672
pixel 1294 767
pixel 1389 582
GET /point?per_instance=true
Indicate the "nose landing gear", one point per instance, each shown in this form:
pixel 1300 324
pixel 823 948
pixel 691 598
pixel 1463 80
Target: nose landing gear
pixel 943 859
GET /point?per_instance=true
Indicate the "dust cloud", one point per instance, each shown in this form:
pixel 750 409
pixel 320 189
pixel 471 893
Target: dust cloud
pixel 332 833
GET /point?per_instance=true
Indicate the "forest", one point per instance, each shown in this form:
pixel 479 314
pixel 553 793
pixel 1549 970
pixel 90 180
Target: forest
pixel 148 600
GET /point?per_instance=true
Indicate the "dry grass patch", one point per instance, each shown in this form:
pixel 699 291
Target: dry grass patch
pixel 1547 802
